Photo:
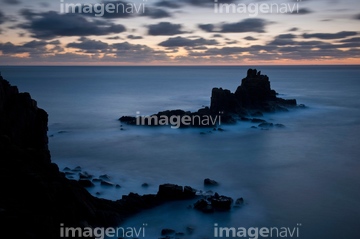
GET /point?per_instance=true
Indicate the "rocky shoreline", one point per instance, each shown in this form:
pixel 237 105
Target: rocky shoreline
pixel 37 197
pixel 251 99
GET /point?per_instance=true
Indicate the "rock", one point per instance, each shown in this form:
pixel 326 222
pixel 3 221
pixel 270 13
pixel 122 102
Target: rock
pixel 189 192
pixel 145 185
pixel 214 203
pixel 190 230
pixel 253 127
pixel 222 203
pixel 166 231
pixel 204 205
pixel 210 182
pixel 86 183
pixel 85 175
pixel 170 191
pixel 106 183
pixel 255 120
pixel 239 201
pixel 96 180
pixel 104 177
pixel 254 95
pixel 266 125
pixel 128 120
pixel 117 186
pixel 66 169
pixel 77 169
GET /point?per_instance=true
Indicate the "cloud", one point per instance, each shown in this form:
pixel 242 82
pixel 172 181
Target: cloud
pixel 50 24
pixel 165 29
pixel 302 11
pixel 106 9
pixel 89 46
pixel 2 17
pixel 351 40
pixel 217 35
pixel 330 36
pixel 137 53
pixel 168 4
pixel 286 36
pixel 204 3
pixel 294 29
pixel 134 37
pixel 33 47
pixel 186 42
pixel 357 17
pixel 11 2
pixel 250 38
pixel 155 13
pixel 247 25
pixel 207 27
pixel 114 38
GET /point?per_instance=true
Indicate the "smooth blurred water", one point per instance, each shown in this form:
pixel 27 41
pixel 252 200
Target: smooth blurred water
pixel 306 173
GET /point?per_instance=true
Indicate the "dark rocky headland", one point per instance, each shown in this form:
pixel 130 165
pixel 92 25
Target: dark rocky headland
pixel 252 98
pixel 36 197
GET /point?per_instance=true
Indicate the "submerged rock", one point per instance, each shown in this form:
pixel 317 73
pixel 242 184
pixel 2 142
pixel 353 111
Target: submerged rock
pixel 210 182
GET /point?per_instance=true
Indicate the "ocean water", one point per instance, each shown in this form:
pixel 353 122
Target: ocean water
pixel 306 173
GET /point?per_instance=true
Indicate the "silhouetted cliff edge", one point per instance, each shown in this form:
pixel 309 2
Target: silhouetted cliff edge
pixel 35 196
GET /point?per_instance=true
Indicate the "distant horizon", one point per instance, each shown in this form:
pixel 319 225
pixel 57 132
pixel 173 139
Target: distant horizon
pixel 183 32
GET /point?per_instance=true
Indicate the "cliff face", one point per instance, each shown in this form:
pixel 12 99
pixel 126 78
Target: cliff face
pixel 35 196
pixel 20 119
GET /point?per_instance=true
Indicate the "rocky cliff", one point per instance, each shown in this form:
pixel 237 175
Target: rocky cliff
pixel 35 196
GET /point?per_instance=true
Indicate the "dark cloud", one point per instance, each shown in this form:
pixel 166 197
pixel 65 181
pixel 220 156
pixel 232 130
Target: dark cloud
pixel 186 42
pixel 89 46
pixel 217 35
pixel 250 38
pixel 330 36
pixel 117 9
pixel 114 38
pixel 351 40
pixel 168 4
pixel 164 29
pixel 50 24
pixel 134 37
pixel 34 48
pixel 246 25
pixel 286 36
pixel 357 17
pixel 302 11
pixel 155 13
pixel 137 53
pixel 207 27
pixel 294 29
pixel 2 17
pixel 205 3
pixel 11 2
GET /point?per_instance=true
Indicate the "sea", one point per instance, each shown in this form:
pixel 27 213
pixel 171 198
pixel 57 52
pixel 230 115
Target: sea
pixel 305 176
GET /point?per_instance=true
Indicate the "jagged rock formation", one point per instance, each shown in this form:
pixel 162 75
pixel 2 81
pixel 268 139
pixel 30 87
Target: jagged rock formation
pixel 254 94
pixel 35 196
pixel 252 97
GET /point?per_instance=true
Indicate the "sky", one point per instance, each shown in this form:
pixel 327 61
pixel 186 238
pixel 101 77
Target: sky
pixel 179 32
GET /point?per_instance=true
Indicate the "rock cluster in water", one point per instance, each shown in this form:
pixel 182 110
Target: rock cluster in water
pixel 251 98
